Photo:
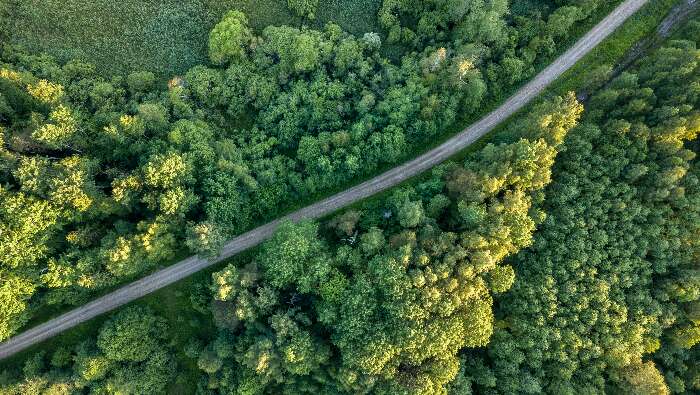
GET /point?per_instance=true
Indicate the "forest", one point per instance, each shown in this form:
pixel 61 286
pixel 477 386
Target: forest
pixel 562 256
pixel 103 179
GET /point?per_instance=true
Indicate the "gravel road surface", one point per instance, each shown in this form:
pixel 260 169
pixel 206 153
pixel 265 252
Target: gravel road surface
pixel 368 188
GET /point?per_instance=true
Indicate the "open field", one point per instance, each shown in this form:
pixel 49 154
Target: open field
pixel 166 37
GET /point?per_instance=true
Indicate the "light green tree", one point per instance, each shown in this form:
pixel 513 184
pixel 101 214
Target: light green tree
pixel 229 39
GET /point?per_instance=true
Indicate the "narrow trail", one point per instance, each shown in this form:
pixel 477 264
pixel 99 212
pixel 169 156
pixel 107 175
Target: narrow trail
pixel 184 268
pixel 676 17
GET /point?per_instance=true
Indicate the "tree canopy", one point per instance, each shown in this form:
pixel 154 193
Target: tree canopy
pixel 132 355
pixel 385 303
pixel 604 300
pixel 559 257
pixel 105 178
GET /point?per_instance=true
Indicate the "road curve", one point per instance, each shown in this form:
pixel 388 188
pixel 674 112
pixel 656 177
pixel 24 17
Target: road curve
pixel 368 188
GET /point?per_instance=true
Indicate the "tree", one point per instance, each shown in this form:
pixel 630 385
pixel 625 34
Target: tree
pixel 205 239
pixel 229 39
pixel 304 8
pixel 167 170
pixel 91 368
pixel 60 132
pixel 297 51
pixel 643 378
pixel 30 224
pixel 561 20
pixel 209 362
pixel 141 81
pixel 15 291
pixel 133 335
pixel 345 224
pixel 410 214
pixel 286 256
pixel 46 92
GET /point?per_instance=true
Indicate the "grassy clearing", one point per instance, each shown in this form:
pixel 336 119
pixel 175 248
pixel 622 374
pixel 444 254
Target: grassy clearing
pixel 165 36
pixel 355 16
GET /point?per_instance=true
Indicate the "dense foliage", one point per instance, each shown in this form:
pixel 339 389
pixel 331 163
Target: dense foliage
pixel 608 293
pixel 131 355
pixel 385 304
pixel 605 296
pixel 102 179
pixel 562 258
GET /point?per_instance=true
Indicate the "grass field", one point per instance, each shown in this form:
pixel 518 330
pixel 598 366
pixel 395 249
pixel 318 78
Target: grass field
pixel 163 36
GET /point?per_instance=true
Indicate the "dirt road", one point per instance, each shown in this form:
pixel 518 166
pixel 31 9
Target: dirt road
pixel 392 177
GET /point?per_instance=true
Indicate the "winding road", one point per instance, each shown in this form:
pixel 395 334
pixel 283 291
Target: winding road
pixel 182 269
